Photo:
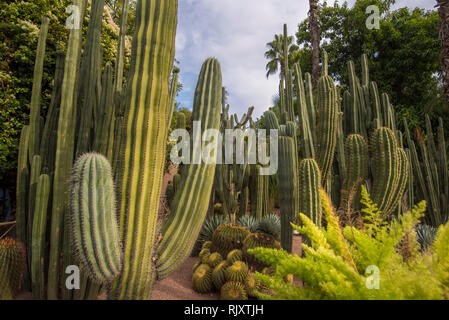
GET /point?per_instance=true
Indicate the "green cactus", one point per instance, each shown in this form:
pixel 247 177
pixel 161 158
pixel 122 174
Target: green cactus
pixel 228 237
pixel 237 272
pixel 38 237
pixel 204 255
pixel 255 240
pixel 202 279
pixel 12 264
pixel 252 285
pixel 64 155
pixel 35 108
pixel 214 259
pixel 233 290
pixel 93 218
pixel 309 185
pixel 356 164
pixel 219 274
pixel 389 168
pixel 180 233
pixel 233 256
pixel 327 125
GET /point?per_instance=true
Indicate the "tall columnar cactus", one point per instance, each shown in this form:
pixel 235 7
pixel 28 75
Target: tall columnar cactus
pixel 93 218
pixel 38 237
pixel 357 165
pixel 288 195
pixel 327 126
pixel 64 155
pixel 12 264
pixel 309 186
pixel 35 107
pixel 180 234
pixel 430 173
pixel 389 168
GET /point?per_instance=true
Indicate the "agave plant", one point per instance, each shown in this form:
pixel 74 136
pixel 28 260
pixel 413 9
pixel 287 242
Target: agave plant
pixel 207 230
pixel 249 221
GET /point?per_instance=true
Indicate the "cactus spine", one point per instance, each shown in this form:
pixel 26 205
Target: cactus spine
pixel 93 220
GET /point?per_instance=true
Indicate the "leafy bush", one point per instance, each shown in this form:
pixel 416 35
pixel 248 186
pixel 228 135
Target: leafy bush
pixel 338 263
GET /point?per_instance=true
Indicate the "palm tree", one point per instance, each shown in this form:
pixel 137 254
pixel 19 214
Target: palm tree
pixel 443 11
pixel 315 34
pixel 275 54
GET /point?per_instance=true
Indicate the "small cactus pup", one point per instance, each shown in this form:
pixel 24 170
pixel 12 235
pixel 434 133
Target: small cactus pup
pixel 12 264
pixel 93 219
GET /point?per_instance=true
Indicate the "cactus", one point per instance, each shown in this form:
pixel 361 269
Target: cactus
pixel 206 245
pixel 35 108
pixel 38 237
pixel 255 240
pixel 228 237
pixel 327 126
pixel 309 185
pixel 214 259
pixel 233 256
pixel 388 168
pixel 204 255
pixel 237 272
pixel 180 234
pixel 288 196
pixel 64 155
pixel 252 285
pixel 202 279
pixel 356 164
pixel 219 274
pixel 12 264
pixel 93 218
pixel 233 291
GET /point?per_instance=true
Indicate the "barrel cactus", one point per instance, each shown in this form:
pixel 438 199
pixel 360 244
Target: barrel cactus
pixel 233 290
pixel 93 218
pixel 12 264
pixel 202 279
pixel 238 272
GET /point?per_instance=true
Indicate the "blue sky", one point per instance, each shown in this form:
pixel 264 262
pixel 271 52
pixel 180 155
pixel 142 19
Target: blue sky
pixel 236 32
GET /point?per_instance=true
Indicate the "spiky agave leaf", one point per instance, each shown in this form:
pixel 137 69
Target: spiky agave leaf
pixel 270 224
pixel 249 222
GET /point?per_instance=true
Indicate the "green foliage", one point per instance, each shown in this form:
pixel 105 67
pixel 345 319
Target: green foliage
pixel 19 28
pixel 336 265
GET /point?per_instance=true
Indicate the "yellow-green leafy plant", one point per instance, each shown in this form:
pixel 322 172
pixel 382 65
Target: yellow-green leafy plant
pixel 382 260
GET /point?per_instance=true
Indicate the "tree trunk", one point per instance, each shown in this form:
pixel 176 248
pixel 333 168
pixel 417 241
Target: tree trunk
pixel 315 33
pixel 443 11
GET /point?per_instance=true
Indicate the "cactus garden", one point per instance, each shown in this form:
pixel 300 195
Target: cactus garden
pixel 335 191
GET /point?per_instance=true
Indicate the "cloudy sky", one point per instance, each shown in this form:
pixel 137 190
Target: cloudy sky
pixel 236 32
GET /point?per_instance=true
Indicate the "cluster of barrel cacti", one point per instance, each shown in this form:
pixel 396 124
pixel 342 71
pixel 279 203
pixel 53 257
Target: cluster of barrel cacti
pixel 226 266
pixel 103 209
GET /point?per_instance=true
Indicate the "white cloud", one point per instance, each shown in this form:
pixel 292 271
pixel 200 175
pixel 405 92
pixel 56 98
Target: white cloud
pixel 236 33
